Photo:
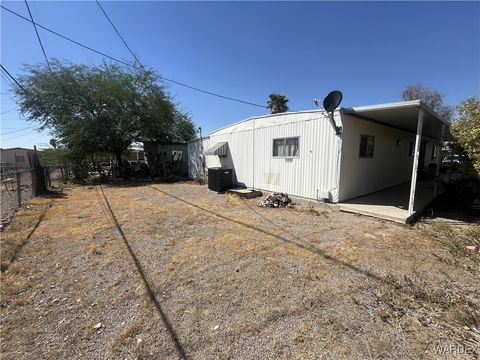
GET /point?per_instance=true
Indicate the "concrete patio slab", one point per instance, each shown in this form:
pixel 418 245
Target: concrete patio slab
pixel 392 203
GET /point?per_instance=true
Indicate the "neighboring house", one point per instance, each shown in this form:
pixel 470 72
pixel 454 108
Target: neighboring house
pixel 14 158
pixel 165 159
pixel 301 154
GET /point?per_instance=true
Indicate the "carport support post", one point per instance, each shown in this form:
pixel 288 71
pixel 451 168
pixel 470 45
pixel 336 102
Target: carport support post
pixel 415 162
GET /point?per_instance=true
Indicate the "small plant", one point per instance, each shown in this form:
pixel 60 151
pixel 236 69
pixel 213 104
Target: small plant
pixel 317 212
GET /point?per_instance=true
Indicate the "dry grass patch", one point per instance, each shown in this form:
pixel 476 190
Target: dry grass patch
pixel 315 210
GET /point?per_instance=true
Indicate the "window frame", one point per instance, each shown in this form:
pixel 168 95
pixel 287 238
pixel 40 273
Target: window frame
pixel 366 156
pixel 284 146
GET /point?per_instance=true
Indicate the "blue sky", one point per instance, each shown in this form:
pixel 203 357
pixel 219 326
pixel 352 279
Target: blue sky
pixel 247 50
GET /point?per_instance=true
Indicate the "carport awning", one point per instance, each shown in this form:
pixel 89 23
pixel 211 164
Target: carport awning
pixel 219 149
pixel 402 115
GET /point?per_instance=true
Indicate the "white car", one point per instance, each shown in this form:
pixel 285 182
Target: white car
pixel 452 160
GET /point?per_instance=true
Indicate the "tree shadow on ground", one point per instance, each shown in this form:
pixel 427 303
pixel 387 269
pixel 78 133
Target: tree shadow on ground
pixel 299 242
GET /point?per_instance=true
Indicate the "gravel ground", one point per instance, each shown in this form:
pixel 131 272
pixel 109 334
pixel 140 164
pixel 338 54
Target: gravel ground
pixel 206 276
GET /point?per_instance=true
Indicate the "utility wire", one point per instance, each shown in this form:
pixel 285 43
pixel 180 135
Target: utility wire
pixel 16 131
pixel 118 33
pixel 5 76
pixel 69 39
pixel 11 77
pixel 31 140
pixel 173 81
pixel 38 35
pixel 129 64
pixel 17 136
pixel 7 111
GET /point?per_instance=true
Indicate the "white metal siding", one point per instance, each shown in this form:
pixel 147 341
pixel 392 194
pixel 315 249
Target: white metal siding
pixel 250 145
pixel 391 164
pixel 239 155
pixel 196 149
pixel 310 175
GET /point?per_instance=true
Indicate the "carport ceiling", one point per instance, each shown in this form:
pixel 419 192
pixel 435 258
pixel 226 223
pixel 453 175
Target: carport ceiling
pixel 401 115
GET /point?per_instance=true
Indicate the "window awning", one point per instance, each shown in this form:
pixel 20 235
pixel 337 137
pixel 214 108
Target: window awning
pixel 219 149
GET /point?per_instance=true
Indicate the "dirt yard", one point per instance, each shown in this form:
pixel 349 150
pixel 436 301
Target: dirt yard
pixel 203 276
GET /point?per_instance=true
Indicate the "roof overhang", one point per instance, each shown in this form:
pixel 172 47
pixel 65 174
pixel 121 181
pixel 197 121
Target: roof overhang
pixel 403 116
pixel 219 149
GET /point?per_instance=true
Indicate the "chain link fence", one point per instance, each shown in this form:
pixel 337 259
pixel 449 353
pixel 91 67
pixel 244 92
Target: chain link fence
pixel 18 187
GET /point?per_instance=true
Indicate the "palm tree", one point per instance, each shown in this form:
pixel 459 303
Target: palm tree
pixel 277 103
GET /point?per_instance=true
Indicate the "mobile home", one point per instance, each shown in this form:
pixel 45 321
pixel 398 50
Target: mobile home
pixel 378 147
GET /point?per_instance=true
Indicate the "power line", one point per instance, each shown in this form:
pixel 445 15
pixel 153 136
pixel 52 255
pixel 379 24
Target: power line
pixel 15 131
pixel 11 77
pixel 131 65
pixel 4 75
pixel 38 35
pixel 69 39
pixel 17 136
pixel 118 33
pixel 7 111
pixel 31 140
pixel 173 81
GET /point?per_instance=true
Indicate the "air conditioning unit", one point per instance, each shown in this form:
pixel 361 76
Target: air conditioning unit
pixel 220 179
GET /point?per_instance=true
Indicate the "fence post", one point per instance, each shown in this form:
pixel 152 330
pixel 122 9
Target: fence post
pixel 19 190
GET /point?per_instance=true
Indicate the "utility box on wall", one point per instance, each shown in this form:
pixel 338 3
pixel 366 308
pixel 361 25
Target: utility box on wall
pixel 220 179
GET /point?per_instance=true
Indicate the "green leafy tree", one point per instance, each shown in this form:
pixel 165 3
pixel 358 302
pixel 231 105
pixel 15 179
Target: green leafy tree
pixel 432 98
pixel 466 129
pixel 92 109
pixel 53 156
pixel 277 103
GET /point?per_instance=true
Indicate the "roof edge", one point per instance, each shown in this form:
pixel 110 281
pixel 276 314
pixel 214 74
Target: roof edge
pixel 394 105
pixel 269 115
pixel 433 112
pixel 401 104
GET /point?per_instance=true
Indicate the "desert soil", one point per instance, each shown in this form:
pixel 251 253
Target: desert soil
pixel 204 276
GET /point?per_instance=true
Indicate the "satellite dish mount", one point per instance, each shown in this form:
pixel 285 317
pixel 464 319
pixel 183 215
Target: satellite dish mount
pixel 330 103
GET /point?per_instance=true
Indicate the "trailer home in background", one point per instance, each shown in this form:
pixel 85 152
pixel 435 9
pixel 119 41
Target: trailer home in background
pixel 166 159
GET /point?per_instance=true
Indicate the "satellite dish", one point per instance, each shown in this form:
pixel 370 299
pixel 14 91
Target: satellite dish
pixel 330 103
pixel 332 100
